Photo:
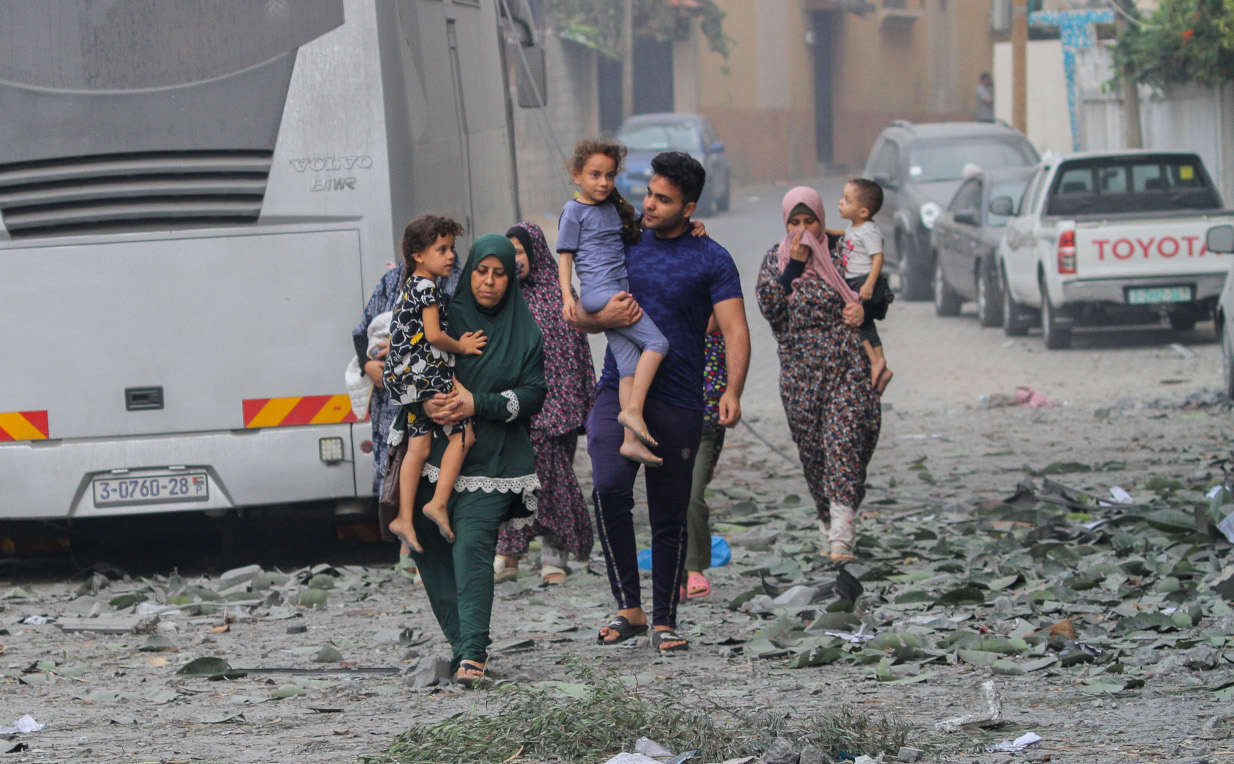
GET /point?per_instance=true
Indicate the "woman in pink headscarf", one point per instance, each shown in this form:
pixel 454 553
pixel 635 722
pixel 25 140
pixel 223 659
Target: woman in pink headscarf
pixel 832 408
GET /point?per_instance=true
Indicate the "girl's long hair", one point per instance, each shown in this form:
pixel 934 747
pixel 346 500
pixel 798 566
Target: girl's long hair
pixel 588 147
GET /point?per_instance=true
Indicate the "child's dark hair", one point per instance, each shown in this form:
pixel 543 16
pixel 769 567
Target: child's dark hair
pixel 683 171
pixel 869 194
pixel 422 232
pixel 589 147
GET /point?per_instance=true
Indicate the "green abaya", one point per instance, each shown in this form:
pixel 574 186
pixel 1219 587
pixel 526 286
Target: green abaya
pixel 498 480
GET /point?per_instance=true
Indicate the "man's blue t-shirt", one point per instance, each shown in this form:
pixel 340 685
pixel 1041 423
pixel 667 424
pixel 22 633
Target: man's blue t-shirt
pixel 676 282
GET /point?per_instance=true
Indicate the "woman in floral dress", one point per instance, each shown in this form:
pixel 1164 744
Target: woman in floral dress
pixel 832 408
pixel 562 520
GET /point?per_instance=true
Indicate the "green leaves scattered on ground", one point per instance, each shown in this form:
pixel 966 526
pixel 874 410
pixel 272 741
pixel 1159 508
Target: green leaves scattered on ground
pixel 1052 579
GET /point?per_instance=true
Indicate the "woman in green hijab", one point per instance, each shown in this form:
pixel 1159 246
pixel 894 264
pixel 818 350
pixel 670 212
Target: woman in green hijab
pixel 501 390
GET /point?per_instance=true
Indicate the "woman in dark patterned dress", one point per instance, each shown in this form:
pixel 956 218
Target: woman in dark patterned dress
pixel 562 521
pixel 832 408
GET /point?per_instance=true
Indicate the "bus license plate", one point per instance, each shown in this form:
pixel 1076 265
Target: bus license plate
pixel 1155 295
pixel 151 489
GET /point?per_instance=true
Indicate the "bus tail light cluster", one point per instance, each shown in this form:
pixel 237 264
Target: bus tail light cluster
pixel 1066 252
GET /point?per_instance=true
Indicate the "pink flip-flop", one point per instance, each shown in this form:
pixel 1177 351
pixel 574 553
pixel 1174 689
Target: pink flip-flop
pixel 697 586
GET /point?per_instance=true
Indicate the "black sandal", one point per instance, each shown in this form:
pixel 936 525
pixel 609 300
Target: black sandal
pixel 625 630
pixel 660 636
pixel 466 680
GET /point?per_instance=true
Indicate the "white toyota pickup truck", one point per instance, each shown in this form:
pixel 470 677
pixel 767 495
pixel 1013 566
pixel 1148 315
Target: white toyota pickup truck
pixel 1111 238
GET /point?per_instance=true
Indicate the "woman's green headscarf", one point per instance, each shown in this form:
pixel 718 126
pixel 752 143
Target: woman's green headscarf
pixel 512 331
pixel 506 380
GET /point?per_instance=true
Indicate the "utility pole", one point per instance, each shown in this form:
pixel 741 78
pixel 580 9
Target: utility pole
pixel 1019 65
pixel 1131 90
pixel 627 60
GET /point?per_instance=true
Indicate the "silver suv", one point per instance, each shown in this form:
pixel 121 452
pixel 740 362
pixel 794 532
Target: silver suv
pixel 920 166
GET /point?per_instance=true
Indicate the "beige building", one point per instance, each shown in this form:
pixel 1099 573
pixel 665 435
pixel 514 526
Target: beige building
pixel 812 82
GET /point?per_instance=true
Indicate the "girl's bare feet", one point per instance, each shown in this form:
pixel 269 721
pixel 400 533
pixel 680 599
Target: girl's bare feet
pixel 406 533
pixel 440 515
pixel 634 423
pixel 633 449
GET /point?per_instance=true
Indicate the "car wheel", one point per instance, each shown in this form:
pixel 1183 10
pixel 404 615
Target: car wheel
pixel 1055 329
pixel 946 302
pixel 989 298
pixel 914 273
pixel 1016 318
pixel 1182 320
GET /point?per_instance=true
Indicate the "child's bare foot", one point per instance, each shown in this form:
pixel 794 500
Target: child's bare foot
pixel 634 450
pixel 636 425
pixel 883 380
pixel 404 532
pixel 441 516
pixel 877 367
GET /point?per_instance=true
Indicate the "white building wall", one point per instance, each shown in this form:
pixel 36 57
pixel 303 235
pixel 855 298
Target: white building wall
pixel 1185 117
pixel 1049 122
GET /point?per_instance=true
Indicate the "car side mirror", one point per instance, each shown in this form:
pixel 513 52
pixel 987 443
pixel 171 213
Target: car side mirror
pixel 965 217
pixel 1220 239
pixel 884 180
pixel 716 147
pixel 1002 205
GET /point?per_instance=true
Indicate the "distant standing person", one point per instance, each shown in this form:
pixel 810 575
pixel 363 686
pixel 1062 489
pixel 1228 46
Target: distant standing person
pixel 984 96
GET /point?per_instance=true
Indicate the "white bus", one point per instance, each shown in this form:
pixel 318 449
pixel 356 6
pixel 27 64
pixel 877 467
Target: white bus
pixel 197 198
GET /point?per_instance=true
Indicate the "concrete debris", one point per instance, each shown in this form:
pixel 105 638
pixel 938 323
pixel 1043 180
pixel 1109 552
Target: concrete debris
pixel 781 752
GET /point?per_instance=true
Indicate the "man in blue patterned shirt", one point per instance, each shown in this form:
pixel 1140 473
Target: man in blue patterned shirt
pixel 679 280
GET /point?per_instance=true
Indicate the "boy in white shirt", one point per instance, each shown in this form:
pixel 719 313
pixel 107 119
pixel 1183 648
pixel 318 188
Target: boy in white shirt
pixel 861 253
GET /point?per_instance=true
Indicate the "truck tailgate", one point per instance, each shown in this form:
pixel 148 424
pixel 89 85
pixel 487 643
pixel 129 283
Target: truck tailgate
pixel 150 336
pixel 1145 247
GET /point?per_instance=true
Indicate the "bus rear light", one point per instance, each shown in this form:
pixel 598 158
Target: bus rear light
pixel 1066 252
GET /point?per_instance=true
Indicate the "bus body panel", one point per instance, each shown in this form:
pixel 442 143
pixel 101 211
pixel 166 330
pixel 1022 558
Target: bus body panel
pixel 336 125
pixel 225 320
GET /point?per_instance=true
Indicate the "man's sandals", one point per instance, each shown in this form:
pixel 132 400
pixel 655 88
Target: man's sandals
pixel 625 630
pixel 660 636
pixel 467 675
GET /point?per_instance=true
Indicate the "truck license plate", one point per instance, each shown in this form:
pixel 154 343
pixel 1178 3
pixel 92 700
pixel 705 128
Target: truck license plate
pixel 1155 295
pixel 151 489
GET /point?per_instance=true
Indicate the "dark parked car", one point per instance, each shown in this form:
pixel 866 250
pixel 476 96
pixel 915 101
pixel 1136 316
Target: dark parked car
pixel 646 135
pixel 965 240
pixel 920 166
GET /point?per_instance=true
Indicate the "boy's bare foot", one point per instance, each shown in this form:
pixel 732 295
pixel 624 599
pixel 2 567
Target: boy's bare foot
pixel 404 532
pixel 634 450
pixel 441 516
pixel 883 380
pixel 636 425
